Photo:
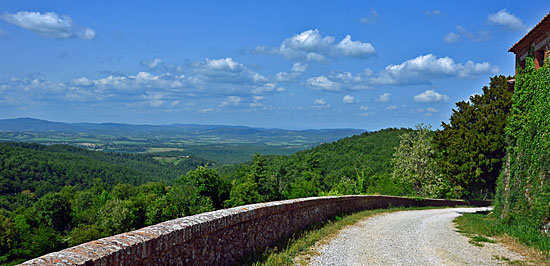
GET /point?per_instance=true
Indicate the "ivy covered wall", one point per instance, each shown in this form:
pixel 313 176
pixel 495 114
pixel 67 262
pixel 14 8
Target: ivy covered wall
pixel 523 192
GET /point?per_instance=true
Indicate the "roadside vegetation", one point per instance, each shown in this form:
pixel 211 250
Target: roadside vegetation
pixel 485 227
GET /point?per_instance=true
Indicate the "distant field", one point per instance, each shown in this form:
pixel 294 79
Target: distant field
pixel 163 149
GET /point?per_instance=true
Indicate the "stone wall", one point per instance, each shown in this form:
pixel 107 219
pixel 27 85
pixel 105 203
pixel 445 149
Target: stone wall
pixel 221 237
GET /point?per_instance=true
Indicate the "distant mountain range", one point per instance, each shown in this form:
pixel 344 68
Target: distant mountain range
pixel 119 129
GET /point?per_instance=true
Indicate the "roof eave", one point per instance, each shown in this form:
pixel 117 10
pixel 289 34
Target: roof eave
pixel 522 40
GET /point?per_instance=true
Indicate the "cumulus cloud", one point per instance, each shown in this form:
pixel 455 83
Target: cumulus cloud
pixel 355 48
pixel 341 81
pixel 363 108
pixel 268 87
pixel 451 37
pixel 322 83
pixel 158 65
pixel 226 70
pixel 371 18
pixel 384 98
pixel 229 76
pixel 310 45
pixel 256 101
pixel 321 103
pixel 348 99
pixel 49 24
pixel 424 68
pixel 151 64
pixel 506 20
pixel 392 107
pixel 430 96
pixel 298 69
pixel 153 99
pixel 140 80
pixel 231 101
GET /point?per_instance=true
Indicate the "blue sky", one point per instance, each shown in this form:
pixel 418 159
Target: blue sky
pixel 286 64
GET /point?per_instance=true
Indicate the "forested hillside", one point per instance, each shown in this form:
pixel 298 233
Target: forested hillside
pixel 353 165
pixel 43 169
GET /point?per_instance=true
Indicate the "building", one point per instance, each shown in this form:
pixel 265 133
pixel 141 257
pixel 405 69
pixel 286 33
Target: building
pixel 536 42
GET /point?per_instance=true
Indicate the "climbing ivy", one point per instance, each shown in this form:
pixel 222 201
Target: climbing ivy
pixel 523 192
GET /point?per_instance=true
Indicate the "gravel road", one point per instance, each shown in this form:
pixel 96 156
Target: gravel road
pixel 424 237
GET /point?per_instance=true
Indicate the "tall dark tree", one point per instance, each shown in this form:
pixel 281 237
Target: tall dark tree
pixel 472 146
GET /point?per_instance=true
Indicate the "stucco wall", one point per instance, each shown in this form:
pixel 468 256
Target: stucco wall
pixel 220 237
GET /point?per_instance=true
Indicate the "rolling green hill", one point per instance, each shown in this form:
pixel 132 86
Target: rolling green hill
pixel 353 165
pixel 42 169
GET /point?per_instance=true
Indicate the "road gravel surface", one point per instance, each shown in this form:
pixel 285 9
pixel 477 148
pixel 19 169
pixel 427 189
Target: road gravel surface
pixel 421 237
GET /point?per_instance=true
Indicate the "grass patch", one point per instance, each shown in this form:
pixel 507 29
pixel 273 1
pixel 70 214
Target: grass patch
pixel 483 227
pixel 299 247
pixel 166 149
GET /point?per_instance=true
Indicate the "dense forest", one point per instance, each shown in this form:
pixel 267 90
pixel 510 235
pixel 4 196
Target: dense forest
pixel 58 196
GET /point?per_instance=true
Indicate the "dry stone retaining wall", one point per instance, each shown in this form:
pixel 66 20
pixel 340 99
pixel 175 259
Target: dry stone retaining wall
pixel 222 237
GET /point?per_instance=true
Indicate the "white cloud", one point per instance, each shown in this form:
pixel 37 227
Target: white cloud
pixel 321 103
pixel 364 108
pixel 434 12
pixel 338 81
pixel 479 37
pixel 432 110
pixel 159 65
pixel 49 24
pixel 371 18
pixel 348 77
pixel 424 68
pixel 298 69
pixel 430 96
pixel 268 87
pixel 506 20
pixel 384 98
pixel 392 107
pixel 355 48
pixel 228 77
pixel 231 101
pixel 451 37
pixel 255 104
pixel 226 64
pixel 348 99
pixel 153 99
pixel 206 110
pixel 153 64
pixel 310 45
pixel 323 83
pixel 140 80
